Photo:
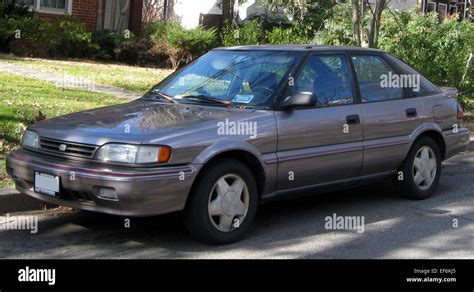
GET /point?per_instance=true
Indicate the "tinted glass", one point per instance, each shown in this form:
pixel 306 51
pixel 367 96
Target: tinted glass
pixel 371 71
pixel 425 87
pixel 328 77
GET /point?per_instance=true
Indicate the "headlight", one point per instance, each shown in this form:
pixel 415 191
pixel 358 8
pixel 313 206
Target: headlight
pixel 133 153
pixel 30 139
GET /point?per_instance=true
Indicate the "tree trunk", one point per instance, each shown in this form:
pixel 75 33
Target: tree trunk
pixel 356 22
pixel 165 10
pixel 374 24
pixel 226 10
pixel 378 15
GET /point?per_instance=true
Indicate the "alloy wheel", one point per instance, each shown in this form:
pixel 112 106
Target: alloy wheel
pixel 228 202
pixel 424 167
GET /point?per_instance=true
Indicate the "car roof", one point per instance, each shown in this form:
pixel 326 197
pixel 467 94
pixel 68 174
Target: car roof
pixel 300 48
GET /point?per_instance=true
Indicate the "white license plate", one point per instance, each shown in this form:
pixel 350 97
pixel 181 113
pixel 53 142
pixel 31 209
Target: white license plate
pixel 46 184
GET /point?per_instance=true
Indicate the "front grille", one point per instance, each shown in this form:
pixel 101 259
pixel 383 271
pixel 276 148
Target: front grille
pixel 67 148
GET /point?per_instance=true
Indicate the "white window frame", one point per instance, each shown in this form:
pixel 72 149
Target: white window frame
pixel 66 11
pixel 37 7
pixel 429 4
pixel 443 6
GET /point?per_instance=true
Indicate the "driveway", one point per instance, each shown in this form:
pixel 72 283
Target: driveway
pixel 441 227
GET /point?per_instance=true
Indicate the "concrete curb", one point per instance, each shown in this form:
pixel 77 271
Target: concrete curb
pixel 11 201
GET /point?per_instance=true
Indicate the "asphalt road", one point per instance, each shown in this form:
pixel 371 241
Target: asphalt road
pixel 394 228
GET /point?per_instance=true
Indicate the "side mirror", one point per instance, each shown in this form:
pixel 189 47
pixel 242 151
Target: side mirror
pixel 302 99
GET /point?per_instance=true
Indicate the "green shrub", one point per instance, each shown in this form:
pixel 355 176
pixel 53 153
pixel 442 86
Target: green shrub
pixel 12 10
pixel 337 29
pixel 291 35
pixel 9 14
pixel 37 36
pixel 249 33
pixel 180 44
pixel 74 40
pixel 107 41
pixel 438 50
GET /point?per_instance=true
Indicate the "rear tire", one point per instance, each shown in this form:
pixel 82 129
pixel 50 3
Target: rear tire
pixel 222 204
pixel 421 170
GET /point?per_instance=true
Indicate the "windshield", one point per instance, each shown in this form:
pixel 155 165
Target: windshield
pixel 248 78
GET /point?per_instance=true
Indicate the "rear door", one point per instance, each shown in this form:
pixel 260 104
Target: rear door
pixel 389 117
pixel 322 143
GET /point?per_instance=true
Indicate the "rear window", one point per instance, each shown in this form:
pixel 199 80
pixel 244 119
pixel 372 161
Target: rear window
pixel 370 71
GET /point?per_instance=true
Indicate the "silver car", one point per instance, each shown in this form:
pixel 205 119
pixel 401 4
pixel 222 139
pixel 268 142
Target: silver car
pixel 242 125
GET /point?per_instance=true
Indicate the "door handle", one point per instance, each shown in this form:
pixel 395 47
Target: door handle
pixel 411 112
pixel 353 119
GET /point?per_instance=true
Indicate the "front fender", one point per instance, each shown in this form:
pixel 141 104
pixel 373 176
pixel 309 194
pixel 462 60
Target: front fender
pixel 266 161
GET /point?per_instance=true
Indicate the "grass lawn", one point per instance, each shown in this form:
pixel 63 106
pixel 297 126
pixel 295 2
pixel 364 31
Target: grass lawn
pixel 21 100
pixel 132 78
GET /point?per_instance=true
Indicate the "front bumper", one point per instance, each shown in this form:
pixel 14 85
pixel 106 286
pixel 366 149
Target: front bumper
pixel 139 191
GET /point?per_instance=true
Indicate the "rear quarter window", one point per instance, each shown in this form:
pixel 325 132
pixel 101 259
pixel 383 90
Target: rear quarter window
pixel 425 87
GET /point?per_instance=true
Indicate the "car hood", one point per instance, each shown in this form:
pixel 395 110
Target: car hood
pixel 133 121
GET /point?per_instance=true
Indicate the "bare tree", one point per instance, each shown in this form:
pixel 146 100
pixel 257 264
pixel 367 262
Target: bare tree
pixel 374 23
pixel 227 9
pixel 153 10
pixel 356 22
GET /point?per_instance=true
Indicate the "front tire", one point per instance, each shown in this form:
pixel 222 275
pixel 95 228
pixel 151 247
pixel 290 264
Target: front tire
pixel 223 203
pixel 421 170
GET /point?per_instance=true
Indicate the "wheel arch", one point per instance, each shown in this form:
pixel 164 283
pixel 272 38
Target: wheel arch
pixel 248 158
pixel 436 136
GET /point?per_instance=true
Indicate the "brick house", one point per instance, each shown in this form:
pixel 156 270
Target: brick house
pixel 114 15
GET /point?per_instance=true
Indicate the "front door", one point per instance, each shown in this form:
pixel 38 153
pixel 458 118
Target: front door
pixel 323 143
pixel 117 13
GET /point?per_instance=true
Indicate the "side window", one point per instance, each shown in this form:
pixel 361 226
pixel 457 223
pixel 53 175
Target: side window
pixel 328 78
pixel 374 78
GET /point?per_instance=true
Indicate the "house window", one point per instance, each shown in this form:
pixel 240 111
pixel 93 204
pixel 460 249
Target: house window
pixel 447 7
pixel 53 4
pixel 48 6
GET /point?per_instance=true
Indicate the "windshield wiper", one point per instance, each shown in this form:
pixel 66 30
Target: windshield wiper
pixel 207 99
pixel 161 95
